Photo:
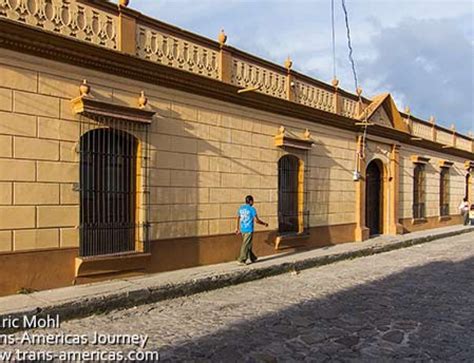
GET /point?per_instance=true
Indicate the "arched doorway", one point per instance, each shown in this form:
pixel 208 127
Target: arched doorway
pixel 374 198
pixel 108 188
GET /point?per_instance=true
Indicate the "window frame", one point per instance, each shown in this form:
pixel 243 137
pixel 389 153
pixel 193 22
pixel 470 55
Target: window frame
pixel 297 204
pixel 109 169
pixel 444 192
pixel 419 192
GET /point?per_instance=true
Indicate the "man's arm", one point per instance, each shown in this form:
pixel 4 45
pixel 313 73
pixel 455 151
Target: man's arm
pixel 259 221
pixel 237 230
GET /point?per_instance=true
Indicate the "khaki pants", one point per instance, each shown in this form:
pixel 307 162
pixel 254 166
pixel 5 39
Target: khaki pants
pixel 465 214
pixel 246 249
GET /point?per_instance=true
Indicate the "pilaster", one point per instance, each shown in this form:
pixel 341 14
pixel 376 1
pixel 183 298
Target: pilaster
pixel 337 102
pixel 127 30
pixel 290 83
pixel 453 129
pixel 394 227
pixel 225 59
pixel 361 232
pixel 434 131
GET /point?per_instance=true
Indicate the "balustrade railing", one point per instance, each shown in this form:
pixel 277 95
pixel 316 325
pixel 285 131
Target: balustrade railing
pixel 66 17
pixel 310 95
pixel 443 137
pixel 349 107
pixel 422 130
pixel 247 74
pixel 463 143
pixel 176 52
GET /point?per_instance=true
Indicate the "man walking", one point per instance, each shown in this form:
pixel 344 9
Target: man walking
pixel 246 215
pixel 464 209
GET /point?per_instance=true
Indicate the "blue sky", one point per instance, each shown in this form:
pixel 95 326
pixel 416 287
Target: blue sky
pixel 421 51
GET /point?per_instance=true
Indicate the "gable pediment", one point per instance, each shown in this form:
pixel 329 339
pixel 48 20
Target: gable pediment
pixel 383 111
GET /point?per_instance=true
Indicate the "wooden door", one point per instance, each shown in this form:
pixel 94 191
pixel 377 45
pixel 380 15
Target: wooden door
pixel 373 207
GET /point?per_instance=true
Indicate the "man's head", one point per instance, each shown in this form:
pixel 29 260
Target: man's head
pixel 465 199
pixel 249 200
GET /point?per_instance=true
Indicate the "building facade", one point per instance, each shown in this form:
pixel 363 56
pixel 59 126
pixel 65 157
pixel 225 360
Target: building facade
pixel 127 146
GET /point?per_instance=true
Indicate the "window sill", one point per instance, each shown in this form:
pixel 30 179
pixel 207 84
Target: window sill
pixel 419 220
pixel 111 264
pixel 291 240
pixel 444 218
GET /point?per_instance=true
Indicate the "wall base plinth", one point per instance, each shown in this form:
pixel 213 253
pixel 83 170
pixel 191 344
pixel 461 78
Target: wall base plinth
pixel 361 234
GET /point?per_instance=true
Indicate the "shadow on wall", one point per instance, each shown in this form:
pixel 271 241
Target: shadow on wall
pixel 330 195
pixel 182 212
pixel 418 314
pixel 182 182
pixel 177 179
pixel 322 176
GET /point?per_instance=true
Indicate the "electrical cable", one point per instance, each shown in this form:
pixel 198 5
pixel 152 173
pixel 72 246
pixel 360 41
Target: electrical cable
pixel 361 153
pixel 349 44
pixel 334 73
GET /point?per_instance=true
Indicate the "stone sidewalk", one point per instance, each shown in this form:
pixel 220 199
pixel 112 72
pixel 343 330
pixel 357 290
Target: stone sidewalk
pixel 79 301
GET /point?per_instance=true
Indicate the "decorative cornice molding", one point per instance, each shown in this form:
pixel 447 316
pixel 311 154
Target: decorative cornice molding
pixel 445 163
pixel 285 140
pixel 417 159
pixel 90 107
pixel 469 165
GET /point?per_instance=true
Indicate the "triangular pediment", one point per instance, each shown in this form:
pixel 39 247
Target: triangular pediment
pixel 383 111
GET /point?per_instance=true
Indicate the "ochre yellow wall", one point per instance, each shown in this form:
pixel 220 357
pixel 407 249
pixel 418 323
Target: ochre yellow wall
pixel 205 157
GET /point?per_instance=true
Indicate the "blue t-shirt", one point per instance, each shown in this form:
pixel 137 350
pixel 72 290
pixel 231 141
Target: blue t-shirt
pixel 247 215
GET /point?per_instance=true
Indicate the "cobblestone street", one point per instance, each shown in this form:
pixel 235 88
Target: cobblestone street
pixel 415 303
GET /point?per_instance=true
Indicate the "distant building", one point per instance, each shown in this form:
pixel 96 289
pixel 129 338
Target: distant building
pixel 142 167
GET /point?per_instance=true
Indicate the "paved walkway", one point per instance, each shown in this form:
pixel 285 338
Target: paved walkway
pixel 83 300
pixel 411 304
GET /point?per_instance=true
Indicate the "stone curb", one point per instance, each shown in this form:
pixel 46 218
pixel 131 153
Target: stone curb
pixel 144 295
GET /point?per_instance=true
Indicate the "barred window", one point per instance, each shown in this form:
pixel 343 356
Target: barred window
pixel 444 192
pixel 288 185
pixel 419 191
pixel 108 172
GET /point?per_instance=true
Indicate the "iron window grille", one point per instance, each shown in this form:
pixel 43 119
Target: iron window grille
pixel 419 192
pixel 419 210
pixel 291 217
pixel 292 222
pixel 444 210
pixel 114 191
pixel 444 192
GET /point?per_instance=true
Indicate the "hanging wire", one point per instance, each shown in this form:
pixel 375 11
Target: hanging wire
pixel 334 73
pixel 360 153
pixel 349 44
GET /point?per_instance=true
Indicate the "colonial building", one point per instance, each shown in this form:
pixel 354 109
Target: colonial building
pixel 127 145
